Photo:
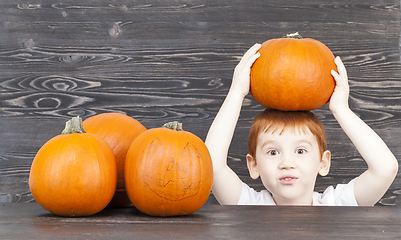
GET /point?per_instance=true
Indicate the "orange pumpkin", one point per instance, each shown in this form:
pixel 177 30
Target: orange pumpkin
pixel 74 174
pixel 118 130
pixel 293 73
pixel 172 170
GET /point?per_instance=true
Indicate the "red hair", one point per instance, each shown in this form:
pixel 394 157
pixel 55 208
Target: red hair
pixel 271 120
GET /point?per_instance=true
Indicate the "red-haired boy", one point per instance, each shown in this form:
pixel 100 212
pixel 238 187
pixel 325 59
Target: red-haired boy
pixel 288 149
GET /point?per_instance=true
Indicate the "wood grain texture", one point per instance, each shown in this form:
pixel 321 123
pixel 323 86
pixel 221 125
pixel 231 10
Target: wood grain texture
pixel 30 221
pixel 159 61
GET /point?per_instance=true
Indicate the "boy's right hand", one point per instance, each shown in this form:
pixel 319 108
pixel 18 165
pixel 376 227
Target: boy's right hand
pixel 242 72
pixel 227 185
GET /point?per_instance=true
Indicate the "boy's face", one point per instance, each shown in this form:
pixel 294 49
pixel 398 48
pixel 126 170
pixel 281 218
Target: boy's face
pixel 288 165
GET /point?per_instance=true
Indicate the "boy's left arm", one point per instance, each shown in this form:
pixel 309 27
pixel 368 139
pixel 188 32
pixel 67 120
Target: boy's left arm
pixel 371 185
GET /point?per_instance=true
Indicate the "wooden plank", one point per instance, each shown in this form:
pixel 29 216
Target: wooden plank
pixel 159 61
pixel 30 221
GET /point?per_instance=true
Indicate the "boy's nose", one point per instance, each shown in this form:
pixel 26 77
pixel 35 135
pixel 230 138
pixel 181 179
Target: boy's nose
pixel 287 163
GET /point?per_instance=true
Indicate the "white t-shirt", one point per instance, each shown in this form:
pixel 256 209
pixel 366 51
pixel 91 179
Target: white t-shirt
pixel 342 195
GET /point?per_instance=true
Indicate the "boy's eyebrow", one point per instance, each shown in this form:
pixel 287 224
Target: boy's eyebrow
pixel 305 141
pixel 299 141
pixel 266 142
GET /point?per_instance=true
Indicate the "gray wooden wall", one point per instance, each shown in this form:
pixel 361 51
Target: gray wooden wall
pixel 159 61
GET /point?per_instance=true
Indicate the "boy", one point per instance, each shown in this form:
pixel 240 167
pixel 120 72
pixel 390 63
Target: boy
pixel 288 151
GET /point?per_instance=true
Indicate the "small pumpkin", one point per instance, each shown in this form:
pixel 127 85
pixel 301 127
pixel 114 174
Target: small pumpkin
pixel 118 130
pixel 293 73
pixel 73 174
pixel 171 168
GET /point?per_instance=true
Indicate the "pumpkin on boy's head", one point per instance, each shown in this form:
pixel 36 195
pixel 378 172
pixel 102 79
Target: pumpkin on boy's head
pixel 293 73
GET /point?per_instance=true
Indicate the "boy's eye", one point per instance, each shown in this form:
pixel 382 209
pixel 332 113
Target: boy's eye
pixel 272 152
pixel 301 151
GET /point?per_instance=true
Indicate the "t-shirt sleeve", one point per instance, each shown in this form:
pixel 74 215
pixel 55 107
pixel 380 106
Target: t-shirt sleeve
pixel 251 197
pixel 341 195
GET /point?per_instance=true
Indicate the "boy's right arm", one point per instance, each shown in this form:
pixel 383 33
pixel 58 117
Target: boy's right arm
pixel 226 184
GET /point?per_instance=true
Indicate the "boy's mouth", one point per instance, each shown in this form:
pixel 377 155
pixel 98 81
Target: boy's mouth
pixel 288 180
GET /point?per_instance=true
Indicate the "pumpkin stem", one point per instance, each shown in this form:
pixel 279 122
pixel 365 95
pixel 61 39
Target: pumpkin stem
pixel 73 126
pixel 293 35
pixel 173 126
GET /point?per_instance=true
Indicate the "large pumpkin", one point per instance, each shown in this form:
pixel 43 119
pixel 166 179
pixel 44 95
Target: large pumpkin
pixel 171 169
pixel 293 73
pixel 74 174
pixel 118 130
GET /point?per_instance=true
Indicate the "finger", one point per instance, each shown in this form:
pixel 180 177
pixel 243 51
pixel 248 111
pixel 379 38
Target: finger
pixel 253 58
pixel 251 55
pixel 341 82
pixel 251 51
pixel 336 76
pixel 256 47
pixel 340 66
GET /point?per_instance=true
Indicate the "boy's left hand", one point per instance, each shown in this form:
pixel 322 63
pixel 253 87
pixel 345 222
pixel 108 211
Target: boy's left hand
pixel 371 185
pixel 339 98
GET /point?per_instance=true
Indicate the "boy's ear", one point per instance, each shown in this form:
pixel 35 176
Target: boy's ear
pixel 252 166
pixel 325 163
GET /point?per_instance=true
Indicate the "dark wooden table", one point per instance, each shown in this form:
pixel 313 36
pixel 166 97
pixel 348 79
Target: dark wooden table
pixel 30 221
